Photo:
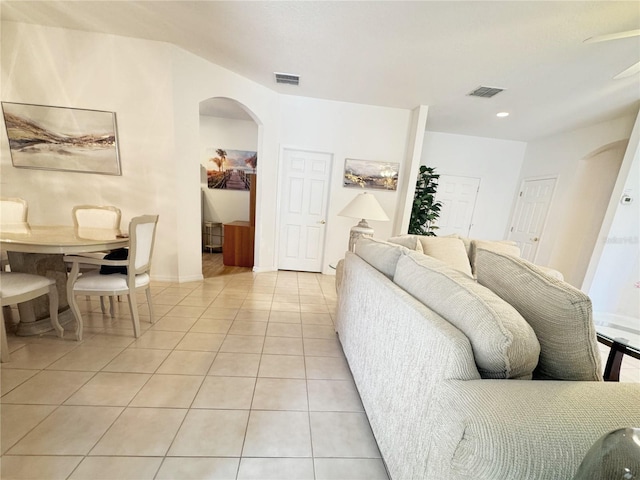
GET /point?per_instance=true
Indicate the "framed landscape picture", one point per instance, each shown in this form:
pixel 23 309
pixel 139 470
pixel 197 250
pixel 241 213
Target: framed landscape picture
pixel 62 138
pixel 230 169
pixel 369 174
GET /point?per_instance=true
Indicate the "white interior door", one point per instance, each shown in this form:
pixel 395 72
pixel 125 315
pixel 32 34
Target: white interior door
pixel 530 215
pixel 303 209
pixel 458 196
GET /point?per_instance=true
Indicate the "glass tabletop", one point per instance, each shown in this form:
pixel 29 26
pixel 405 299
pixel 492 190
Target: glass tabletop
pixel 624 330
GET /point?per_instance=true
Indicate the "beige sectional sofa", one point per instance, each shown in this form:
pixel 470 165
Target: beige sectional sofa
pixel 462 378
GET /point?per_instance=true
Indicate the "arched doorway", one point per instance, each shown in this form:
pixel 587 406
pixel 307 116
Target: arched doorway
pixel 584 210
pixel 228 141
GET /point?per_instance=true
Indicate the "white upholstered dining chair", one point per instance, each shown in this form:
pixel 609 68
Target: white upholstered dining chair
pixel 13 210
pixel 96 216
pixel 13 216
pixel 20 287
pixel 142 231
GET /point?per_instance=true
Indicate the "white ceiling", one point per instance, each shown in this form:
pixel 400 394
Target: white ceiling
pixel 400 54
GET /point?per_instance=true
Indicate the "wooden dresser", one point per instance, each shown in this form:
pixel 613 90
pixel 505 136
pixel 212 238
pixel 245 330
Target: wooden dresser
pixel 238 246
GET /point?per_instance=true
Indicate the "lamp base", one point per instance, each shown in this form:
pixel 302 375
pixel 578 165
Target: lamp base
pixel 362 229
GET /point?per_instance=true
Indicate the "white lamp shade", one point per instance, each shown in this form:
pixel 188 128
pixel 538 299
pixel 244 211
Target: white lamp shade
pixel 364 206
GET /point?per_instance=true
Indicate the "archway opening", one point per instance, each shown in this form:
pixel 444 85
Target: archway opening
pixel 228 144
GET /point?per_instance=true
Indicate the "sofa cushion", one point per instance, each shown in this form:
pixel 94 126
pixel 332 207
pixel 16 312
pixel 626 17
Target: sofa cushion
pixel 383 256
pixel 412 242
pixel 501 246
pixel 552 272
pixel 504 345
pixel 560 315
pixel 450 250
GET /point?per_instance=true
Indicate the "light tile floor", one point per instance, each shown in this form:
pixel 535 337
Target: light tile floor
pixel 241 376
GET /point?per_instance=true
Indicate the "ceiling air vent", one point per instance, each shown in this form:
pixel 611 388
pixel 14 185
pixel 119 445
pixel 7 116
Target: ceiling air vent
pixel 485 92
pixel 287 78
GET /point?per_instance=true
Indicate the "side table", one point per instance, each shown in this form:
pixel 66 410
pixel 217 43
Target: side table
pixel 212 236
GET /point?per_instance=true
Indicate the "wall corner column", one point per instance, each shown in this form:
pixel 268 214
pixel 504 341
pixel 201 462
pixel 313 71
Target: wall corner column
pixel 410 169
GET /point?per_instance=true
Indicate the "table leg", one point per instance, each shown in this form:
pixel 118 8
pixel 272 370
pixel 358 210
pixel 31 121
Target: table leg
pixel 34 314
pixel 614 362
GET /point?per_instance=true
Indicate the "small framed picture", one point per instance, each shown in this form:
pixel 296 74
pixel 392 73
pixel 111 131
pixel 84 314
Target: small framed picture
pixel 370 174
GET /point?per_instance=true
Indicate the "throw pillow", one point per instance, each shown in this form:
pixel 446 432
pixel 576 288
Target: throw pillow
pixel 412 242
pixel 504 345
pixel 559 313
pixel 383 256
pixel 118 254
pixel 449 250
pixel 467 243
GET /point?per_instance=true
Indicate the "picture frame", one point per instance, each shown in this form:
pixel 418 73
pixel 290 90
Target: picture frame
pixel 62 138
pixel 370 174
pixel 230 169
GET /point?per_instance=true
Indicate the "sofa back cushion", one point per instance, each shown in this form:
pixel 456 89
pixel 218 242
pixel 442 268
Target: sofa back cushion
pixel 501 246
pixel 560 315
pixel 412 242
pixel 504 345
pixel 449 250
pixel 383 256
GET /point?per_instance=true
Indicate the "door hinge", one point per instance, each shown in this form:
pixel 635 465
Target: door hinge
pixel 520 194
pixel 511 230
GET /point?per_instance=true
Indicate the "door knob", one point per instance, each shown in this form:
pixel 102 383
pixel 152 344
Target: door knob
pixel 322 222
pixel 535 239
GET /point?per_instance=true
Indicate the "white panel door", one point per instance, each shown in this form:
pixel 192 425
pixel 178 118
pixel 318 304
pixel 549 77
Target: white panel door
pixel 458 196
pixel 530 215
pixel 303 208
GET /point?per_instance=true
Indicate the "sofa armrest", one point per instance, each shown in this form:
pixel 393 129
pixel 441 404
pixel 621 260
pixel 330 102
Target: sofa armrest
pixel 528 429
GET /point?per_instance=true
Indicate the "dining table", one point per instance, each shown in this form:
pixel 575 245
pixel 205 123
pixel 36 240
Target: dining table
pixel 39 249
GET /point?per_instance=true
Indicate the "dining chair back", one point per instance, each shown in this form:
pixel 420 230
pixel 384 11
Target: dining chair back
pixel 142 232
pixel 13 217
pixel 96 216
pixel 21 287
pixel 13 211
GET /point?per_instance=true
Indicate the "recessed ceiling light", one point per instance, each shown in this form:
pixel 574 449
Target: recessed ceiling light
pixel 502 114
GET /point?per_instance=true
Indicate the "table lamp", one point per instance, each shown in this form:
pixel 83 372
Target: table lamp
pixel 363 206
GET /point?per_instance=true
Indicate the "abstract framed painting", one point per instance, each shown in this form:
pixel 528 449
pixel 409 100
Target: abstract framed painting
pixel 62 138
pixel 370 174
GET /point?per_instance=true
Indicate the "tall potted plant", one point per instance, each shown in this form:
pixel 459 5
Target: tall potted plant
pixel 425 210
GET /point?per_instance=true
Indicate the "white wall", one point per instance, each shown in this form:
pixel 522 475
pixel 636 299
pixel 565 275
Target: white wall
pixel 215 132
pixel 194 80
pixel 615 287
pixel 51 66
pixel 346 130
pixel 496 162
pixel 576 211
pixel 155 90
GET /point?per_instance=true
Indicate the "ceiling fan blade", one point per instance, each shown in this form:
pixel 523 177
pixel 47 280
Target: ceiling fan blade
pixel 628 72
pixel 612 36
